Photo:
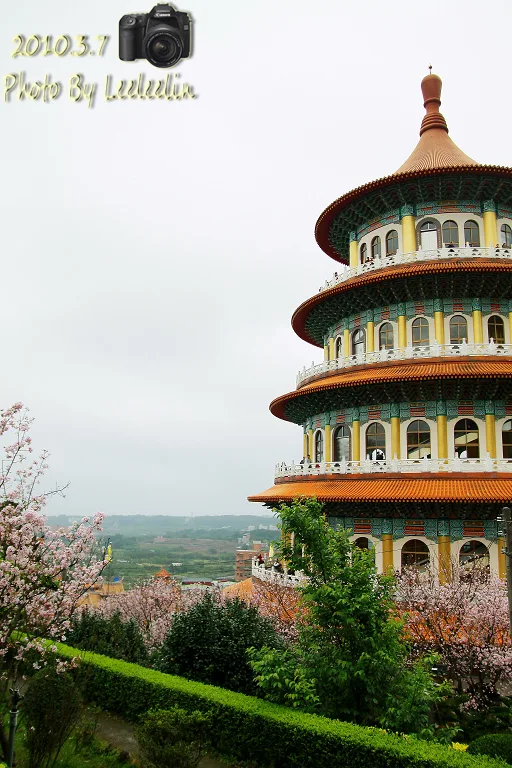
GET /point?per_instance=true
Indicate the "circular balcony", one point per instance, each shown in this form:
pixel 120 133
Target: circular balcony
pixel 464 349
pixel 416 257
pixel 391 466
pixel 282 578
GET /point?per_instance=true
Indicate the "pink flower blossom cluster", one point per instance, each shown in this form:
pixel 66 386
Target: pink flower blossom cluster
pixel 466 621
pixel 43 573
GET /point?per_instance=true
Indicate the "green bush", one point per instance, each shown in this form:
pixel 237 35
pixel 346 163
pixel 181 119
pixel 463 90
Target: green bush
pixel 111 637
pixel 52 708
pixel 494 745
pixel 172 737
pixel 209 643
pixel 250 729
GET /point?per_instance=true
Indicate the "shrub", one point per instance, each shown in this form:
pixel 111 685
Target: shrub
pixel 251 729
pixel 172 737
pixel 52 707
pixel 109 636
pixel 209 643
pixel 494 745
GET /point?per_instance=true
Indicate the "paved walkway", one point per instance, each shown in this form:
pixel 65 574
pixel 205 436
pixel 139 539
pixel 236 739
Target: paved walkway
pixel 119 733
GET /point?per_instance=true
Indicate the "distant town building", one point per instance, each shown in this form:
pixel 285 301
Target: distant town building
pixel 99 591
pixel 244 557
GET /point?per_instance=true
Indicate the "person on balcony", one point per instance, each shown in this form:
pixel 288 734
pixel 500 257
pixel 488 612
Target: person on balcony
pixel 260 559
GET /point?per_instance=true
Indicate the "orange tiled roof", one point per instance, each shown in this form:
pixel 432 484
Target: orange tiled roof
pixel 241 589
pixel 404 271
pixel 433 488
pixel 439 368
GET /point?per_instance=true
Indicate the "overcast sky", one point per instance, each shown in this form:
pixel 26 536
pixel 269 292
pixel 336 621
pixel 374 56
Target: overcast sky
pixel 154 252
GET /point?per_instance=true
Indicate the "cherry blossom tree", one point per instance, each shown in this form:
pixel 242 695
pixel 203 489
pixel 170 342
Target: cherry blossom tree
pixel 465 621
pixel 43 572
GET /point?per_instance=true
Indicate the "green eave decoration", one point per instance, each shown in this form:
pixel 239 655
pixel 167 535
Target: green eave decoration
pixel 414 189
pixel 301 408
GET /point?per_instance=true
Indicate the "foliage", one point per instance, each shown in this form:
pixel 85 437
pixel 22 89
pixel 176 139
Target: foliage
pixel 172 737
pixel 247 728
pixel 209 643
pixel 43 572
pixel 494 745
pixel 350 660
pixel 110 636
pixel 52 708
pixel 465 621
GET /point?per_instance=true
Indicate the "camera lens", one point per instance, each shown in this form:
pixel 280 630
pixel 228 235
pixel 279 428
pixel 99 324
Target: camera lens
pixel 163 47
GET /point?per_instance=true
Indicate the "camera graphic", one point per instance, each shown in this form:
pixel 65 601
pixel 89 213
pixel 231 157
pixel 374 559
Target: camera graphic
pixel 161 36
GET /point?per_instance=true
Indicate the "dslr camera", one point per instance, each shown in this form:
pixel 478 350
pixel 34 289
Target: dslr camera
pixel 161 36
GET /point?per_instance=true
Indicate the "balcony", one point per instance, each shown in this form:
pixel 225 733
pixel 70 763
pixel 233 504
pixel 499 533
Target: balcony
pixel 279 578
pixel 369 466
pixel 416 257
pixel 464 349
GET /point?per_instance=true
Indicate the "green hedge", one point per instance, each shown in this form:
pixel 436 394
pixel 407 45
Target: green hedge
pixel 248 728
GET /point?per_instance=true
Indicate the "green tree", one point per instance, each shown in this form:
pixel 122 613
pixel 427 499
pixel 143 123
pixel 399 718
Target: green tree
pixel 109 636
pixel 350 660
pixel 209 643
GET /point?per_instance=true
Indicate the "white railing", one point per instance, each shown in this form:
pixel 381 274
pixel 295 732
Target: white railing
pixel 464 349
pixel 415 257
pixel 370 466
pixel 273 576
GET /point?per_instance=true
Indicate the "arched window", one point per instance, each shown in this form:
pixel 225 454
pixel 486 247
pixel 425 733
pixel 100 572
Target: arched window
pixel 341 443
pixel 428 236
pixel 471 234
pixel 496 329
pixel 338 351
pixel 391 242
pixel 376 248
pixel 506 437
pixel 375 442
pixel 363 542
pixel 415 554
pixel 458 329
pixel 358 345
pixel 420 335
pixel 473 551
pixel 418 440
pixel 466 439
pixel 319 446
pixel 450 233
pixel 506 236
pixel 364 253
pixel 386 340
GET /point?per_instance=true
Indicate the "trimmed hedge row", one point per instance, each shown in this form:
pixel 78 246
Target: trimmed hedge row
pixel 248 728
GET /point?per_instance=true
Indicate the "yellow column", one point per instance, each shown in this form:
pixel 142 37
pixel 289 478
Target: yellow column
pixel 444 558
pixel 327 443
pixel 395 437
pixel 354 256
pixel 326 352
pixel 439 327
pixel 305 446
pixel 356 440
pixel 502 561
pixel 346 342
pixel 490 229
pixel 490 434
pixel 408 234
pixel 510 324
pixel 402 331
pixel 387 551
pixel 442 437
pixel 332 351
pixel 478 330
pixel 310 452
pixel 370 343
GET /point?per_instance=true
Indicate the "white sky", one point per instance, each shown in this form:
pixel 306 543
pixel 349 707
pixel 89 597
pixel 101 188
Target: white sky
pixel 154 252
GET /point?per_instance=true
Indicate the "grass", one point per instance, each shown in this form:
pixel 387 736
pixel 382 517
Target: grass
pixel 96 754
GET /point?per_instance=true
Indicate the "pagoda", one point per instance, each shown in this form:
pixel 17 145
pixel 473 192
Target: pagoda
pixel 407 422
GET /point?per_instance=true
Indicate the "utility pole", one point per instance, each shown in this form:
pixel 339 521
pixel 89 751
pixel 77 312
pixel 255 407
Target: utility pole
pixel 507 520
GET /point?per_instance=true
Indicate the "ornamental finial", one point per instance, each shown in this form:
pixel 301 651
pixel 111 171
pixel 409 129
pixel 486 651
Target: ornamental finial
pixel 430 69
pixel 431 88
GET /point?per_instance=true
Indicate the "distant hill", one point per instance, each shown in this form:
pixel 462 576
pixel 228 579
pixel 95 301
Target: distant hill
pixel 160 525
